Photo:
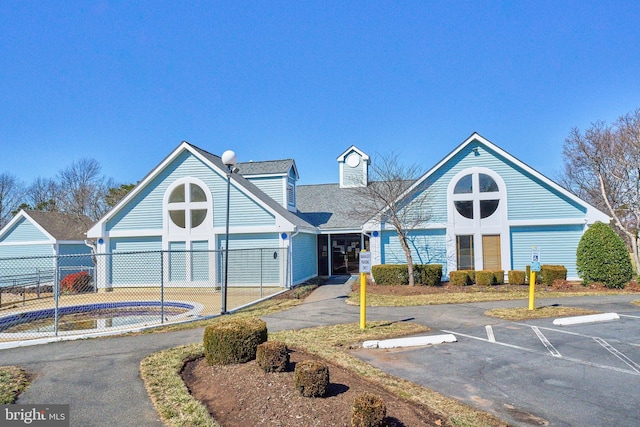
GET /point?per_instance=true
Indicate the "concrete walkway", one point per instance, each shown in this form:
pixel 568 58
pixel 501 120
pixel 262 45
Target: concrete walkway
pixel 100 378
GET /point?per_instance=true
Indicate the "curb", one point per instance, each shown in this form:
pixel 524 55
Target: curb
pixel 410 342
pixel 586 319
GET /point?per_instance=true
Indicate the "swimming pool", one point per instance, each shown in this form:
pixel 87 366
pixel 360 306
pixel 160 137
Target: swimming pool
pixel 98 317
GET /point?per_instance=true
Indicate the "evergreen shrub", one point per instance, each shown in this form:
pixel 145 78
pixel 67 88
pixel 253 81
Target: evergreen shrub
pixel 398 274
pixel 485 277
pixel 273 356
pixel 311 378
pixel 460 278
pixel 516 277
pixel 233 340
pixel 550 273
pixel 427 274
pixel 369 410
pixel 602 256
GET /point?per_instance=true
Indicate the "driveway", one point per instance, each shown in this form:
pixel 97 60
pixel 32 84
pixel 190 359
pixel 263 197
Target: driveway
pixel 535 373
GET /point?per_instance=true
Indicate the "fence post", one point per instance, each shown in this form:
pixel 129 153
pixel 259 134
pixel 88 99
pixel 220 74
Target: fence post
pixel 162 287
pixel 56 293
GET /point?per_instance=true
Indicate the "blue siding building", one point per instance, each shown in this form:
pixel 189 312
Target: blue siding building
pixel 31 241
pixel 487 210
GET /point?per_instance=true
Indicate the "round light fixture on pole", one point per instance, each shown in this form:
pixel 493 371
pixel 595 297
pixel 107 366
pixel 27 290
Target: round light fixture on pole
pixel 229 159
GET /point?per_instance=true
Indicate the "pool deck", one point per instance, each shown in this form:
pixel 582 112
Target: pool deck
pixel 209 298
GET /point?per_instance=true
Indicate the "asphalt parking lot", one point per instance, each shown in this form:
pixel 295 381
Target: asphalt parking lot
pixel 534 372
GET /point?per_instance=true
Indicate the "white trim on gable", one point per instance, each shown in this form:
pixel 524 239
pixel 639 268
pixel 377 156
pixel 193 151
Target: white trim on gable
pixel 99 229
pixel 593 214
pixel 20 215
pixel 342 157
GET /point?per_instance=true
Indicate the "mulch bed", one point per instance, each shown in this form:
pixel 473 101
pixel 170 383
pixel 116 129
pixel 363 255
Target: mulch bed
pixel 242 395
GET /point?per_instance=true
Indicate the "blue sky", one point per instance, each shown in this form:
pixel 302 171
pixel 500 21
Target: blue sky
pixel 125 82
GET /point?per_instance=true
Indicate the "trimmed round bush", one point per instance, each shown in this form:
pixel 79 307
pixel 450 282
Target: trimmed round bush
pixel 398 274
pixel 602 256
pixel 460 278
pixel 485 278
pixel 369 410
pixel 550 273
pixel 516 277
pixel 273 356
pixel 234 340
pixel 311 378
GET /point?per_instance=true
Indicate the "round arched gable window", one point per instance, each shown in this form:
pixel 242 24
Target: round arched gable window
pixel 476 195
pixel 187 205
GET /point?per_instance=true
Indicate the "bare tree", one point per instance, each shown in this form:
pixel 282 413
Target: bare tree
pixel 391 198
pixel 84 189
pixel 602 166
pixel 11 194
pixel 44 195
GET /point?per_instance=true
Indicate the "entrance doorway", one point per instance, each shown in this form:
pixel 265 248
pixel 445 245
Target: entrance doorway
pixel 339 253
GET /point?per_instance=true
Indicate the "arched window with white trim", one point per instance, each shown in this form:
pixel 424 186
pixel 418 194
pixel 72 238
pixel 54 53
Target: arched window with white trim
pixel 478 219
pixel 188 219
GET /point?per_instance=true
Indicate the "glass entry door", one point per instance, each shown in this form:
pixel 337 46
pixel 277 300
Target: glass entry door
pixel 345 252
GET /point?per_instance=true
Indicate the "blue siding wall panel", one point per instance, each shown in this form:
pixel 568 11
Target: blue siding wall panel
pixel 524 191
pixel 177 261
pixel 305 257
pixel 144 211
pixel 557 245
pixel 271 186
pixel 74 249
pixel 427 247
pixel 23 231
pixel 254 259
pixel 200 260
pixel 129 267
pixel 25 260
pixel 23 251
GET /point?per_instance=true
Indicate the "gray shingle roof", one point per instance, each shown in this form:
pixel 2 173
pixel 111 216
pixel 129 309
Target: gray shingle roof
pixel 242 181
pixel 327 206
pixel 62 226
pixel 266 167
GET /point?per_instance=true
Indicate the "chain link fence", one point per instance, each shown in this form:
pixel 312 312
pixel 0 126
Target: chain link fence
pixel 83 294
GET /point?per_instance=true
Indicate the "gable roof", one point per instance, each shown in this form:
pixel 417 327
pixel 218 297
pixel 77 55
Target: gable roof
pixel 253 189
pixel 593 214
pixel 216 163
pixel 269 167
pixel 341 157
pixel 56 225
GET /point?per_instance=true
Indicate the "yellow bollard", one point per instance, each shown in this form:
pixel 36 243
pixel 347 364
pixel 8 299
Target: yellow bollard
pixel 363 300
pixel 532 290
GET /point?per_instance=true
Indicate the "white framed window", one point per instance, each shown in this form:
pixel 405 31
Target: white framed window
pixel 476 198
pixel 188 219
pixel 188 207
pixel 477 223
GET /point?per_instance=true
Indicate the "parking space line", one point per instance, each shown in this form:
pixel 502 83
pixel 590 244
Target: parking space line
pixel 490 335
pixel 633 365
pixel 630 316
pixel 634 371
pixel 554 352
